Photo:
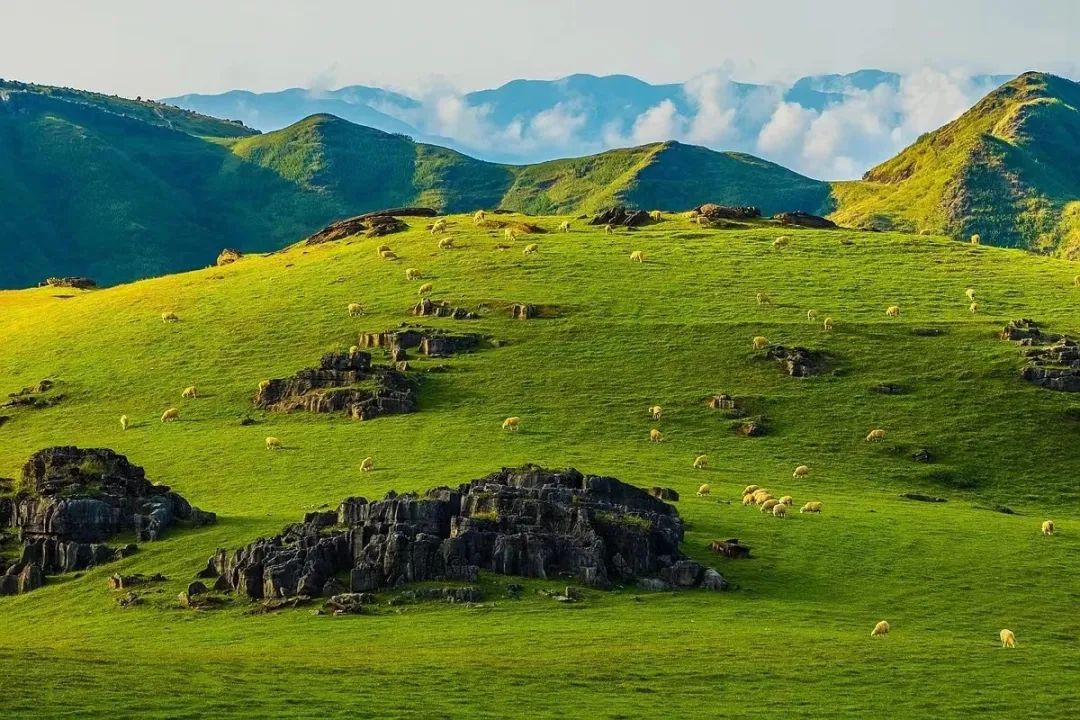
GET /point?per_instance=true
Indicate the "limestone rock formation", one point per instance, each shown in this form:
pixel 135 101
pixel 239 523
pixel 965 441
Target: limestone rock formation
pixel 804 219
pixel 798 361
pixel 228 256
pixel 1053 360
pixel 712 211
pixel 620 215
pixel 79 283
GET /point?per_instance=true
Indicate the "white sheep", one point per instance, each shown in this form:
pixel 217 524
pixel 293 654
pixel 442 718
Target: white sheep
pixel 750 489
pixel 976 239
pixel 263 384
pixel 447 243
pixel 637 256
pixel 882 628
pixel 760 342
pixel 1048 527
pixel 827 326
pixel 700 462
pixel 763 299
pixel 190 392
pixel 656 436
pixel 564 226
pixel 655 412
pixel 893 311
pixel 787 500
pixel 382 248
pixel 367 464
pixel 1076 281
pixel 355 309
pixel 169 316
pixel 510 234
pixel 704 490
pixel 272 443
pixel 412 274
pixel 388 255
pixel 781 242
pixel 974 308
pixel 353 349
pixel 531 249
pixel 425 289
pixel 875 435
pixel 479 217
pixel 970 292
pixel 124 422
pixel 1008 639
pixel 779 510
pixel 656 215
pixel 769 504
pixel 813 506
pixel 511 423
pixel 608 229
pixel 748 500
pixel 801 472
pixel 438 226
pixel 811 315
pixel 170 415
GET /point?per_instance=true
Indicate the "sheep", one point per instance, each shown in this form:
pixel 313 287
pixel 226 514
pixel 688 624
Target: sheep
pixel 656 215
pixel 564 226
pixel 273 443
pixel 367 464
pixel 1076 281
pixel 656 436
pixel 763 299
pixel 353 349
pixel 478 217
pixel 882 628
pixel 781 242
pixel 124 422
pixel 190 392
pixel 779 510
pixel 976 239
pixel 424 289
pixel 875 435
pixel 787 500
pixel 637 256
pixel 510 234
pixel 801 472
pixel 811 315
pixel 412 274
pixel 169 316
pixel 893 311
pixel 827 326
pixel 750 489
pixel 530 249
pixel 355 309
pixel 1008 638
pixel 760 342
pixel 769 504
pixel 970 292
pixel 438 226
pixel 1048 527
pixel 170 415
pixel 704 490
pixel 447 243
pixel 382 248
pixel 813 506
pixel 608 229
pixel 511 423
pixel 748 500
pixel 263 384
pixel 700 462
pixel 761 496
pixel 655 412
pixel 974 308
pixel 388 255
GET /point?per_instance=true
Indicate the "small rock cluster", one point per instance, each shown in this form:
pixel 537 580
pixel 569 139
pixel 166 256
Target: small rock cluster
pixel 798 361
pixel 432 343
pixel 526 521
pixel 804 219
pixel 72 501
pixel 34 396
pixel 436 308
pixel 712 211
pixel 228 256
pixel 79 283
pixel 373 224
pixel 620 215
pixel 1053 360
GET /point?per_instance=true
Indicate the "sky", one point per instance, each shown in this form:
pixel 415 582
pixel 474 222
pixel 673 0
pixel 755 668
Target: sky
pixel 158 49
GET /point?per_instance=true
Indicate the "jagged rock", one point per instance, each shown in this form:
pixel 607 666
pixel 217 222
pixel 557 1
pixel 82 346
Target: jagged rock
pixel 526 521
pixel 731 548
pixel 922 455
pixel 124 582
pixel 433 308
pixel 79 283
pixel 722 402
pixel 379 225
pixel 195 588
pixel 349 603
pixel 343 382
pixel 129 600
pixel 523 311
pixel 1053 360
pixel 713 580
pixel 400 212
pixel 228 256
pixel 752 428
pixel 804 219
pixel 712 211
pixel 31 578
pixel 922 498
pixel 620 215
pixel 664 493
pixel 798 361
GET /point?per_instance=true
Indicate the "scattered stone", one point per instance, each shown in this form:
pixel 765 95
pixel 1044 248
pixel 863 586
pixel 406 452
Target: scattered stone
pixel 919 497
pixel 730 548
pixel 228 256
pixel 620 215
pixel 247 421
pixel 440 308
pixel 713 580
pixel 1004 509
pixel 722 402
pixel 449 594
pixel 523 311
pixel 196 588
pixel 1053 360
pixel 374 224
pixel 712 211
pixel 125 582
pixel 752 428
pixel 888 389
pixel 799 361
pixel 129 600
pixel 664 493
pixel 804 219
pixel 79 283
pixel 927 332
pixel 922 455
pixel 653 584
pixel 349 603
pixel 527 521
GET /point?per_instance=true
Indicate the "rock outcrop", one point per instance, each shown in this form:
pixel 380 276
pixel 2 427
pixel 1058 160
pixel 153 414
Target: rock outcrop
pixel 373 224
pixel 620 215
pixel 804 219
pixel 712 211
pixel 435 308
pixel 228 256
pixel 527 521
pixel 1053 360
pixel 73 500
pixel 34 396
pixel 798 361
pixel 523 311
pixel 429 342
pixel 79 283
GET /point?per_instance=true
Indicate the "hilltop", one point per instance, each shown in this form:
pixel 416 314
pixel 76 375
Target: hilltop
pixel 1008 169
pixel 614 338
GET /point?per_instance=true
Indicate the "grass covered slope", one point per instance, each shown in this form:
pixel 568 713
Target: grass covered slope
pixel 792 640
pixel 1008 169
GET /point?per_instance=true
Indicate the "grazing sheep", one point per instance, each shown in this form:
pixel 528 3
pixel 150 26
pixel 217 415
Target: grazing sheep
pixel 761 496
pixel 353 349
pixel 976 239
pixel 656 215
pixel 1076 281
pixel 367 464
pixel 438 226
pixel 760 342
pixel 382 248
pixel 811 507
pixel 263 384
pixel 750 489
pixel 655 435
pixel 530 249
pixel 272 443
pixel 510 234
pixel 875 435
pixel 779 510
pixel 424 289
pixel 787 500
pixel 447 243
pixel 355 309
pixel 801 472
pixel 974 308
pixel 763 299
pixel 190 392
pixel 700 462
pixel 1048 527
pixel 608 229
pixel 655 412
pixel 170 415
pixel 781 242
pixel 412 274
pixel 811 315
pixel 970 292
pixel 169 317
pixel 124 422
pixel 564 226
pixel 511 423
pixel 769 504
pixel 1008 639
pixel 893 311
pixel 388 255
pixel 827 325
pixel 637 256
pixel 882 628
pixel 704 490
pixel 478 217
pixel 748 500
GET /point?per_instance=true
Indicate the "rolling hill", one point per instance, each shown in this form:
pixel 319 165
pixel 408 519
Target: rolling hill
pixel 791 638
pixel 1008 169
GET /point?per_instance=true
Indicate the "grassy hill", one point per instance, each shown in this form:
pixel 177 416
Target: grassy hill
pixel 791 640
pixel 1008 169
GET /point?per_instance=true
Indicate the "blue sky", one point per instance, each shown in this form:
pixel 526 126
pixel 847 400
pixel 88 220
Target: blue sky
pixel 133 47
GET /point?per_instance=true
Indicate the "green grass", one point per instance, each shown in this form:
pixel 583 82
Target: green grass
pixel 792 640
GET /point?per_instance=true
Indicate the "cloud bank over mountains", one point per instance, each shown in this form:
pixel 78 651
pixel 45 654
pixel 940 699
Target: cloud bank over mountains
pixel 831 127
